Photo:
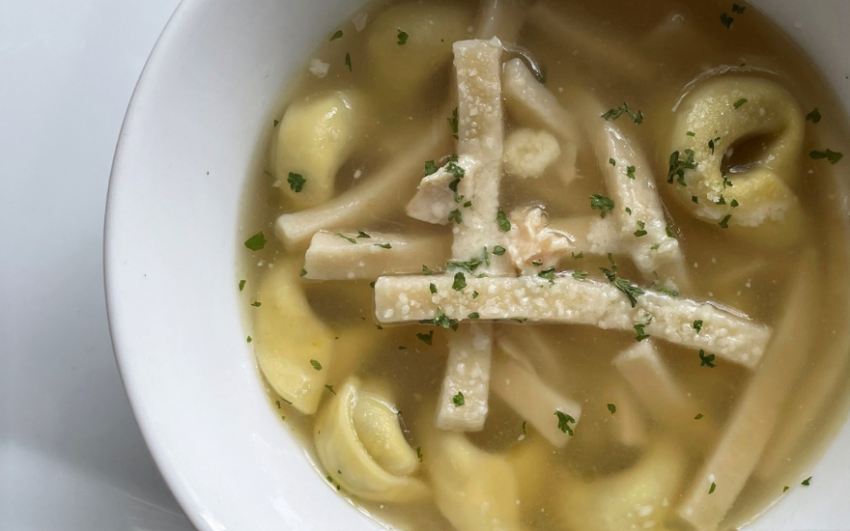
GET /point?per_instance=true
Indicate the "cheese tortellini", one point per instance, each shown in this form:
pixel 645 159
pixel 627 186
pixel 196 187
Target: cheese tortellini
pixel 360 443
pixel 475 490
pixel 315 138
pixel 757 199
pixel 288 336
pixel 638 498
pixel 401 71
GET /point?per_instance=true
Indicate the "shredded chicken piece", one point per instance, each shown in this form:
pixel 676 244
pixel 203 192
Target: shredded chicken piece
pixel 533 244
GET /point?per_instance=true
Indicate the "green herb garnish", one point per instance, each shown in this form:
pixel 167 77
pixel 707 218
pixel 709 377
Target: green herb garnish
pixel 432 287
pixel 316 365
pixel 724 223
pixel 459 282
pixel 498 250
pixel 612 408
pixel 344 237
pixel 679 165
pixel 616 112
pixel 813 116
pixel 402 37
pixel 602 203
pixel 256 304
pixel 458 400
pixel 455 216
pixel 564 422
pixel 579 275
pixel 330 388
pixel 474 316
pixel 430 167
pixel 740 102
pixel 832 156
pixel 348 64
pixel 453 123
pixel 242 284
pixel 256 242
pixel 502 221
pixel 428 338
pixel 335 36
pixel 706 360
pixel 384 245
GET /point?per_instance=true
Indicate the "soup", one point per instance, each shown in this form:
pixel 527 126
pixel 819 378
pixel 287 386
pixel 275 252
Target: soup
pixel 554 265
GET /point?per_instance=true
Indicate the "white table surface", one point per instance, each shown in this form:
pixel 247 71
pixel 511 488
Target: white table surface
pixel 71 456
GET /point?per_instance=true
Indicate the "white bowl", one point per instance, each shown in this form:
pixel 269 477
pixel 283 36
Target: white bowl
pixel 196 122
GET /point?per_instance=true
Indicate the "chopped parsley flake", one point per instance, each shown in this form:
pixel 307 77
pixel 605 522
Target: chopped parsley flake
pixel 459 282
pixel 335 36
pixel 612 162
pixel 616 112
pixel 316 365
pixel 276 123
pixel 242 284
pixel 524 431
pixel 713 143
pixel 698 326
pixel 384 245
pixel 724 223
pixel 807 481
pixel 474 294
pixel 695 199
pixel 453 123
pixel 498 250
pixel 348 64
pixel 579 275
pixel 814 116
pixel 330 388
pixel 740 102
pixel 630 172
pixel 250 339
pixel 578 256
pixel 426 271
pixel 628 211
pixel 734 203
pixel 344 237
pixel 832 156
pixel 786 488
pixel 641 232
pixel 502 221
pixel 474 315
pixel 601 203
pixel 458 400
pixel 711 489
pixel 738 9
pixel 469 266
pixel 455 216
pixel 432 287
pixel 612 408
pixel 442 320
pixel 691 133
pixel 548 274
pixel 361 234
pixel 402 37
pixel 699 416
pixel 640 334
pixel 706 360
pixel 564 422
pixel 428 338
pixel 303 272
pixel 256 242
pixel 679 165
pixel 726 20
pixel 419 453
pixel 256 304
pixel 430 168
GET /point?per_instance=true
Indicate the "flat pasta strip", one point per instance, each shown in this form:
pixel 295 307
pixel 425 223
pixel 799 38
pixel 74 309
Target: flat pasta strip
pixel 758 412
pixel 535 401
pixel 480 145
pixel 352 255
pixel 568 300
pixel 653 383
pixel 463 403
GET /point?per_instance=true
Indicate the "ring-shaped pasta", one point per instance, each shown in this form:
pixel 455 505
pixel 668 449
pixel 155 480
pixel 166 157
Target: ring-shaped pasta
pixel 350 457
pixel 719 115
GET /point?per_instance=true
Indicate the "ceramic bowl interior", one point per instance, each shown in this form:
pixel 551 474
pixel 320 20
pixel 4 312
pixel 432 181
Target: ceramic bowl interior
pixel 199 117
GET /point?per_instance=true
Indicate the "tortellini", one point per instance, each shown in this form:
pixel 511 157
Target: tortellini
pixel 288 335
pixel 475 490
pixel 402 70
pixel 714 118
pixel 360 443
pixel 315 138
pixel 638 498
